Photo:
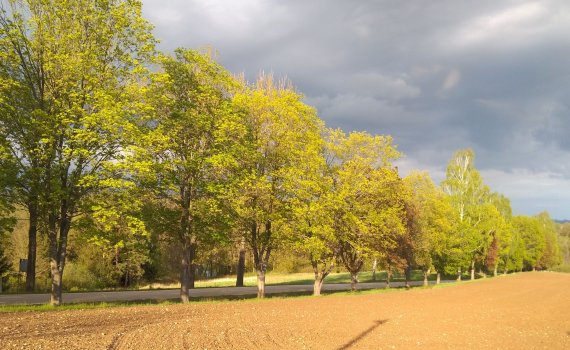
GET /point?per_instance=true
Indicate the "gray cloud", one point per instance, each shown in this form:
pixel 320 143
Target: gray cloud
pixel 437 75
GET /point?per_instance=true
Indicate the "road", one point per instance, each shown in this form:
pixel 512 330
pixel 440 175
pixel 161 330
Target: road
pixel 167 294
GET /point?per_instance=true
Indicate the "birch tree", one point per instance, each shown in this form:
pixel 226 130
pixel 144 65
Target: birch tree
pixel 464 186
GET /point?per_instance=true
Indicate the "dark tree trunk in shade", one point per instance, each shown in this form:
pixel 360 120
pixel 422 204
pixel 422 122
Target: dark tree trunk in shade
pixel 32 247
pixel 241 264
pixel 408 274
pixel 187 270
pixel 374 266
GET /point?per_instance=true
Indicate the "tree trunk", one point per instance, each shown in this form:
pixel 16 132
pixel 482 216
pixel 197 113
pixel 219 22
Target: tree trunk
pixel 353 280
pixel 459 275
pixel 55 298
pixel 472 270
pixel 58 250
pixel 261 283
pixel 438 278
pixel 56 284
pixel 188 240
pixel 1 283
pixel 185 264
pixel 317 286
pixel 192 272
pixel 408 275
pixel 261 250
pixel 186 270
pixel 241 264
pixel 388 276
pixel 374 265
pixel 32 247
pixel 495 271
pixel 506 271
pixel 320 275
pixel 426 273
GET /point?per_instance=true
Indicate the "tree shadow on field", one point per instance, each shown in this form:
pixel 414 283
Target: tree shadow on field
pixel 359 337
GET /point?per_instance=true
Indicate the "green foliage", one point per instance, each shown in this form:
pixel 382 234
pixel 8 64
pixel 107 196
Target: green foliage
pixel 367 197
pixel 149 172
pixel 185 155
pixel 551 255
pixel 532 238
pixel 283 143
pixel 464 186
pixel 483 217
pixel 70 80
pixel 430 223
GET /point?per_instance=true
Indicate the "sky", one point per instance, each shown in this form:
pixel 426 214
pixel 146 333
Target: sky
pixel 437 75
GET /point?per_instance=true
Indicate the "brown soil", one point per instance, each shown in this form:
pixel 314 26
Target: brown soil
pixel 523 311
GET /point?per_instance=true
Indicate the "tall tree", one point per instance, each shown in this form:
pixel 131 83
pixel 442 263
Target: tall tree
pixel 77 65
pixel 312 219
pixel 467 193
pixel 551 255
pixel 367 202
pixel 563 230
pixel 532 237
pixel 283 133
pixel 430 222
pixel 187 155
pixel 502 233
pixel 514 254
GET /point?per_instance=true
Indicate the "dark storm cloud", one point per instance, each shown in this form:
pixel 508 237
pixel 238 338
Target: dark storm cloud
pixel 437 75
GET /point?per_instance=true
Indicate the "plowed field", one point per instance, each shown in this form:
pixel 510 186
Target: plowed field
pixel 523 311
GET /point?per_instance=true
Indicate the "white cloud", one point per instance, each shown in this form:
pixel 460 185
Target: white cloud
pixel 517 26
pixel 503 24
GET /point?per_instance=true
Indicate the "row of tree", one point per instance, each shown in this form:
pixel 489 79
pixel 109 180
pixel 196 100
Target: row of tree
pixel 103 138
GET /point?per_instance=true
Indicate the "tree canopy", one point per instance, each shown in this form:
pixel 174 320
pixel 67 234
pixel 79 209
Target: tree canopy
pixel 129 164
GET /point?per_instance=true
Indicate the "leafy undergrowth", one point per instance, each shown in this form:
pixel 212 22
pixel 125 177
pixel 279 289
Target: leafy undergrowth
pixel 562 268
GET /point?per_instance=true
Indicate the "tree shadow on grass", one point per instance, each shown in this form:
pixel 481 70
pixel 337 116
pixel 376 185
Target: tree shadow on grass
pixel 359 337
